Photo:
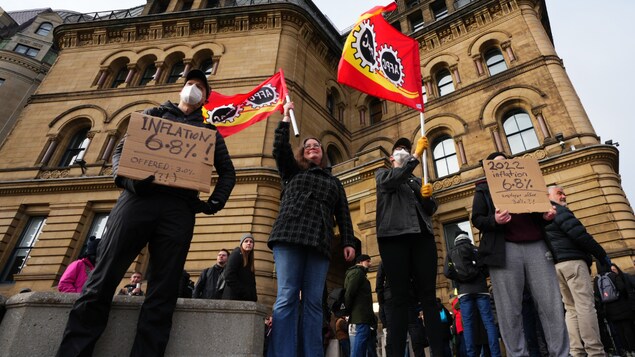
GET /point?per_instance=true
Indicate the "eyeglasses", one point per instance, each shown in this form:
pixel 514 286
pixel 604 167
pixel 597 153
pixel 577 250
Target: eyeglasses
pixel 311 146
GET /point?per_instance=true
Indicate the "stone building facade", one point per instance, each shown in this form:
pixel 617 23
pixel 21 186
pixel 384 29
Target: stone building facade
pixel 492 78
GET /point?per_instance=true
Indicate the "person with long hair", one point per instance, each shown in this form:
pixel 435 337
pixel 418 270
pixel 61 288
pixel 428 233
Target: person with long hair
pixel 301 240
pixel 240 277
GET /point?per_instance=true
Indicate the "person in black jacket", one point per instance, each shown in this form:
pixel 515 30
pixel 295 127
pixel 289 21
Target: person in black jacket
pixel 514 248
pixel 359 302
pixel 572 247
pixel 212 281
pixel 473 299
pixel 406 243
pixel 163 218
pixel 240 277
pixel 621 312
pixel 312 201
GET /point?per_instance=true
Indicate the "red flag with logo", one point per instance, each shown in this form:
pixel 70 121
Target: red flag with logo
pixel 379 60
pixel 231 114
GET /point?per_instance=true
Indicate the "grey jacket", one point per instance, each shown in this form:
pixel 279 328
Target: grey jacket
pixel 399 202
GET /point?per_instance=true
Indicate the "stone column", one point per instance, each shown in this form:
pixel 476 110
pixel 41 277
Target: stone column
pixel 541 122
pixel 459 143
pixel 51 145
pixel 110 145
pixel 497 139
pixel 479 64
pixel 103 74
pixel 131 71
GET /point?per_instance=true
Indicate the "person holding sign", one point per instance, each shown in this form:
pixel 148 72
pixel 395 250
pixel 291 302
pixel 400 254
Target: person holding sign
pixel 406 244
pixel 513 246
pixel 301 240
pixel 161 217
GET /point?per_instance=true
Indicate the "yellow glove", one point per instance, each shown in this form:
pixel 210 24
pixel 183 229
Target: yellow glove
pixel 422 144
pixel 426 190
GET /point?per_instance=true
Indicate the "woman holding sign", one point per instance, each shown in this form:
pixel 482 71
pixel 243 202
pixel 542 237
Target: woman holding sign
pixel 301 241
pixel 513 247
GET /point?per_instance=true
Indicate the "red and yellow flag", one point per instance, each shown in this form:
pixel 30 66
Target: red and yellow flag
pixel 231 114
pixel 379 60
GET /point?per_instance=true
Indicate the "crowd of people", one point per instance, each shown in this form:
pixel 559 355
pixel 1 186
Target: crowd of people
pixel 542 299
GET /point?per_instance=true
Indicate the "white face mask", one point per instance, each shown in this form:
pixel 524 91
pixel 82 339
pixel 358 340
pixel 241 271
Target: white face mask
pixel 400 155
pixel 191 95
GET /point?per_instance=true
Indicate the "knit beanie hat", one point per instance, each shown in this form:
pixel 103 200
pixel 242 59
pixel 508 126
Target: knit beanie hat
pixel 460 236
pixel 362 258
pixel 91 247
pixel 245 236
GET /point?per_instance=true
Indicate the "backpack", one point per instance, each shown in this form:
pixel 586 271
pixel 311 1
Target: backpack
pixel 606 287
pixel 463 257
pixel 336 302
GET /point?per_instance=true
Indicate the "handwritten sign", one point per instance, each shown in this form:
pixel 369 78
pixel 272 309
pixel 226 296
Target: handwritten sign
pixel 178 155
pixel 517 185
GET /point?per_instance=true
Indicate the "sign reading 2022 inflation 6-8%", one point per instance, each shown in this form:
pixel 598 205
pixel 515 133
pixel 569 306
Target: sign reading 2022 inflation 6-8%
pixel 176 154
pixel 517 185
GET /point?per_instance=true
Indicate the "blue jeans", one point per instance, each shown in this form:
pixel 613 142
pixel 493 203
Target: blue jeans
pixel 303 269
pixel 345 348
pixel 360 340
pixel 482 303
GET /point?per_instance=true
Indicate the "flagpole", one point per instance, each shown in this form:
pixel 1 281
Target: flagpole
pixel 293 122
pixel 424 157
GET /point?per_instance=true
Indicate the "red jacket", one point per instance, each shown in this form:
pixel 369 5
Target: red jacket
pixel 457 316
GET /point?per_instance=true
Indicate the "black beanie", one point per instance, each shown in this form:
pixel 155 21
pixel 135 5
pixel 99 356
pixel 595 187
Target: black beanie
pixel 403 142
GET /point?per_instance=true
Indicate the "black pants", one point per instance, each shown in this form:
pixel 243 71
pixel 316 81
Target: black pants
pixel 166 224
pixel 405 256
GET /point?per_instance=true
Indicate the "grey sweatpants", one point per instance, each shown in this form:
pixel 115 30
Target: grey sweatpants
pixel 529 263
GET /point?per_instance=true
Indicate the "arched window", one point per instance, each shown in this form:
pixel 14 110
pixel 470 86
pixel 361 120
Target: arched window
pixel 330 104
pixel 444 156
pixel 176 72
pixel 424 93
pixel 444 82
pixel 334 155
pixel 120 77
pixel 495 61
pixel 148 74
pixel 207 67
pixel 76 148
pixel 376 111
pixel 520 132
pixel 44 29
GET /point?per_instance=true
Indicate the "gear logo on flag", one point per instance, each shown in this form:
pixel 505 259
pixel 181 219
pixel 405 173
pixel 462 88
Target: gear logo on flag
pixel 390 65
pixel 365 46
pixel 223 114
pixel 265 96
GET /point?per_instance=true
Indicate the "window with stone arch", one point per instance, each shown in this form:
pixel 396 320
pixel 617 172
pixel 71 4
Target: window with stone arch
pixel 174 67
pixel 445 84
pixel 334 104
pixel 44 29
pixel 147 69
pixel 444 156
pixel 334 155
pixel 520 132
pixel 494 61
pixel 119 71
pixel 206 62
pixel 375 110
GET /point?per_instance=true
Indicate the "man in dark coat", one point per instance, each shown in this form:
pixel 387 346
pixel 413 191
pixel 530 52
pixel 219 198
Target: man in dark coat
pixel 161 217
pixel 212 278
pixel 514 248
pixel 358 299
pixel 572 247
pixel 473 298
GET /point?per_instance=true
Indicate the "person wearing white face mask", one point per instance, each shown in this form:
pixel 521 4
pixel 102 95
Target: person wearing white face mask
pixel 163 218
pixel 406 243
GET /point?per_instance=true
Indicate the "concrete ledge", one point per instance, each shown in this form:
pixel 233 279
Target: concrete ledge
pixel 34 323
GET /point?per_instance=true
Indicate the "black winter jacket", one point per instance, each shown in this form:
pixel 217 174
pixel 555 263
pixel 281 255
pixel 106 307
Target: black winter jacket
pixel 310 200
pixel 222 161
pixel 358 297
pixel 491 250
pixel 570 240
pixel 208 282
pixel 240 281
pixel 477 285
pixel 399 202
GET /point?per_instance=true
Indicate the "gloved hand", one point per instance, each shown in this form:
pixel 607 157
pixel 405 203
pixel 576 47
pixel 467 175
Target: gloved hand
pixel 138 187
pixel 209 207
pixel 426 190
pixel 422 144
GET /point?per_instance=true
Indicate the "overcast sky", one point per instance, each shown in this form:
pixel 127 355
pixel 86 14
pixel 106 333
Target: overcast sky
pixel 594 40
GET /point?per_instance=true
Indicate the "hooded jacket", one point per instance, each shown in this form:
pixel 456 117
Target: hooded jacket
pixel 222 161
pixel 358 297
pixel 570 240
pixel 400 205
pixel 75 276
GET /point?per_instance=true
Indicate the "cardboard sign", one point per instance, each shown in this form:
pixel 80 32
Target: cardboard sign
pixel 178 155
pixel 517 185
